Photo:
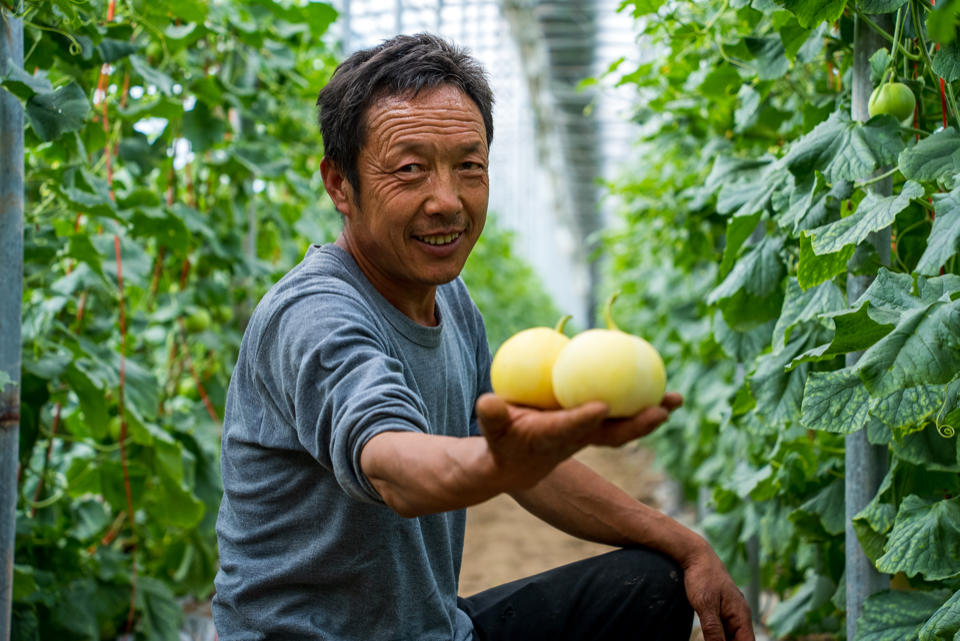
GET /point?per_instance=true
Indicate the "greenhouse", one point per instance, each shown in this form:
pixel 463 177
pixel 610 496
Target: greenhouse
pixel 705 256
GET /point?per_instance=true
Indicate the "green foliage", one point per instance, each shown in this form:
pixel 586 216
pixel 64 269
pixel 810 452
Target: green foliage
pixel 171 175
pixel 504 286
pixel 754 202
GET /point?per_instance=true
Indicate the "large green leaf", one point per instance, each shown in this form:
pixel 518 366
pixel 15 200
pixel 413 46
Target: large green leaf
pixel 842 149
pixel 879 6
pixel 810 13
pixel 895 615
pixel 944 622
pixel 925 539
pixel 813 269
pixel 873 214
pixel 161 615
pixel 904 410
pixel 812 204
pixel 890 295
pixel 822 516
pixel 790 615
pixel 55 113
pixel 854 331
pixel 834 402
pixel 946 62
pixel 801 306
pixel 757 272
pixel 923 348
pixel 944 241
pixel 935 159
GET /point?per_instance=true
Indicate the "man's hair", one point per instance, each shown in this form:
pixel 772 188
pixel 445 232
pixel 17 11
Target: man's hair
pixel 401 66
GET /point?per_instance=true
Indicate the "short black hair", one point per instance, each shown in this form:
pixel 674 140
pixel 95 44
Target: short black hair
pixel 401 66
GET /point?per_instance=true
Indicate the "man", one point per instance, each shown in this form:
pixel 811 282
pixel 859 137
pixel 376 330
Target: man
pixel 359 422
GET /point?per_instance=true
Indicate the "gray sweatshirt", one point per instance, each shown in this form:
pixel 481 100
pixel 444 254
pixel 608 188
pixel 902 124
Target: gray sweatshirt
pixel 308 549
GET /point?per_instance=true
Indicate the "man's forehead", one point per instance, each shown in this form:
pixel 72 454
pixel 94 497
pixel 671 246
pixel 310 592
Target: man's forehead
pixel 403 118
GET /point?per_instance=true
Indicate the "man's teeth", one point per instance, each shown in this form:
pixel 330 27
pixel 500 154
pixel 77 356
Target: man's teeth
pixel 439 240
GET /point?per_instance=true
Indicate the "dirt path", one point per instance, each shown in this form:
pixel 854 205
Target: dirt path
pixel 504 542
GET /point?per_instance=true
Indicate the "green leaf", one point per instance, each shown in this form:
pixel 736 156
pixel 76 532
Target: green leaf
pixel 941 22
pixel 890 295
pixel 779 393
pixel 812 204
pixel 843 149
pixel 152 77
pixel 879 6
pixel 895 615
pixel 813 269
pixel 23 85
pixel 834 402
pixel 928 448
pixel 801 306
pixel 923 348
pixel 854 331
pixel 946 62
pixel 822 516
pixel 944 622
pixel 904 410
pixel 758 272
pixel 202 128
pixel 770 55
pixel 873 214
pixel 873 523
pixel 944 240
pixel 810 13
pixel 111 50
pixel 879 62
pixel 925 539
pixel 53 114
pixel 161 615
pixel 790 615
pixel 934 159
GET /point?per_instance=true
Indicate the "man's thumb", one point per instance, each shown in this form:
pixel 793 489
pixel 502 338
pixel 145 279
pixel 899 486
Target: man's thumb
pixel 493 415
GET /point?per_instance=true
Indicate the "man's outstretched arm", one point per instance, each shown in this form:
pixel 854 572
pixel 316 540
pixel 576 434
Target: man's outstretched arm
pixel 418 473
pixel 579 501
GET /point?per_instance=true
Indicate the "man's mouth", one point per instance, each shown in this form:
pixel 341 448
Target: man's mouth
pixel 439 239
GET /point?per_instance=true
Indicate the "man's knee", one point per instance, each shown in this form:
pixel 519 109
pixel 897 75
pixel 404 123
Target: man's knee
pixel 651 592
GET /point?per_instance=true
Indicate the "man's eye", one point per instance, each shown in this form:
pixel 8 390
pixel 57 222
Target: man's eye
pixel 412 168
pixel 470 165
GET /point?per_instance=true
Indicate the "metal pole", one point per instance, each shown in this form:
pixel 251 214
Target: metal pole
pixel 11 291
pixel 865 464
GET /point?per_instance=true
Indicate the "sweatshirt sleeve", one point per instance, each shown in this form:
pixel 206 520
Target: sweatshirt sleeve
pixel 338 384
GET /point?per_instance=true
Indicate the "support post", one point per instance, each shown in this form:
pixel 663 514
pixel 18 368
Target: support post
pixel 11 295
pixel 865 464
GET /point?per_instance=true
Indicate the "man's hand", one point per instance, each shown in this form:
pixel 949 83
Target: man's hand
pixel 527 444
pixel 723 611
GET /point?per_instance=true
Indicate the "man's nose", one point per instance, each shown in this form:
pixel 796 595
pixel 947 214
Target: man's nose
pixel 444 193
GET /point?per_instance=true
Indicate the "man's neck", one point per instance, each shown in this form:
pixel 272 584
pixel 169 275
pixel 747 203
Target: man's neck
pixel 417 303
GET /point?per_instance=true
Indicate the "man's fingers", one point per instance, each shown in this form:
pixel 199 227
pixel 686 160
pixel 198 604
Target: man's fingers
pixel 711 626
pixel 493 415
pixel 671 401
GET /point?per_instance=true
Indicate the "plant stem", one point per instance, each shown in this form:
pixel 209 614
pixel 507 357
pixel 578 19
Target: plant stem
pixel 873 25
pixel 876 179
pixel 951 98
pixel 897 32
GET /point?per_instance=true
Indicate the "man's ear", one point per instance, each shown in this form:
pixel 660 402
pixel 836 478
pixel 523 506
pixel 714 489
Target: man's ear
pixel 338 188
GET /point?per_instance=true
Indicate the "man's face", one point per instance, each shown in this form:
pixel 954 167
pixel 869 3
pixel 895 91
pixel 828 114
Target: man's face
pixel 423 191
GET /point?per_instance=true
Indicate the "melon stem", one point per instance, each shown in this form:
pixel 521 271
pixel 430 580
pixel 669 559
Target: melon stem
pixel 608 312
pixel 562 323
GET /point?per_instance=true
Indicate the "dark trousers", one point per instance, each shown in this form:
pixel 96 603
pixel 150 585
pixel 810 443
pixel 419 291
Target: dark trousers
pixel 626 595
